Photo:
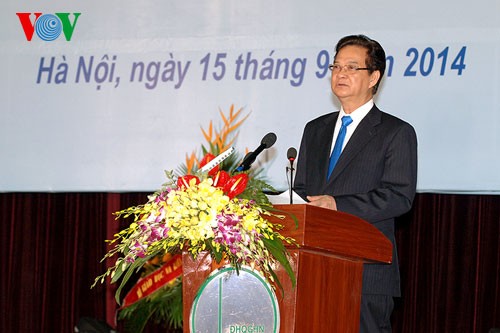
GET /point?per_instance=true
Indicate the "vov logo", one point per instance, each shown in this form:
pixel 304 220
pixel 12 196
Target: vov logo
pixel 48 27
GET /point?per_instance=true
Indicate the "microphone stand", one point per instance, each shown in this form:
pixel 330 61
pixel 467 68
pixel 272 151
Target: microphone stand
pixel 291 179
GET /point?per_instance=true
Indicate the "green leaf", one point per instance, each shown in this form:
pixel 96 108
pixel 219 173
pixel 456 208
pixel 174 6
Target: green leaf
pixel 279 252
pixel 162 307
pixel 216 254
pixel 134 267
pixel 140 315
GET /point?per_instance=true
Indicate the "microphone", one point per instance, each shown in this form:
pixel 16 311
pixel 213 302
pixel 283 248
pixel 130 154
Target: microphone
pixel 267 141
pixel 291 154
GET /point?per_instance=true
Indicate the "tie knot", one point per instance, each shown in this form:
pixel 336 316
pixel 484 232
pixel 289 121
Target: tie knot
pixel 346 120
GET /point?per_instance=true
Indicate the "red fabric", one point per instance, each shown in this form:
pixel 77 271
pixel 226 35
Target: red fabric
pixel 144 287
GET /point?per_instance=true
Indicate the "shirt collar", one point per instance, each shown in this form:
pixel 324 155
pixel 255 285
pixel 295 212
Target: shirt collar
pixel 358 114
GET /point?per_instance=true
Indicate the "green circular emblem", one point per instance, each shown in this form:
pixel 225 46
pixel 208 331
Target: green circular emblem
pixel 235 302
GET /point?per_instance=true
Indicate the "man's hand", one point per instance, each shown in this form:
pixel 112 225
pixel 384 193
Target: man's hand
pixel 325 201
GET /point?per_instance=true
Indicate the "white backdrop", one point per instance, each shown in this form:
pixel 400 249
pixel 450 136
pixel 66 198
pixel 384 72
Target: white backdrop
pixel 76 115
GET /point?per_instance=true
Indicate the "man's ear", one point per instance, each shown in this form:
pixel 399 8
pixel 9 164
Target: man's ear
pixel 374 77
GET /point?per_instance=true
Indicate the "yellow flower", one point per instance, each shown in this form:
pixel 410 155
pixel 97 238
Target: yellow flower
pixel 249 222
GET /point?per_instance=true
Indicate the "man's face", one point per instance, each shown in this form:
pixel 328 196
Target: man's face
pixel 353 88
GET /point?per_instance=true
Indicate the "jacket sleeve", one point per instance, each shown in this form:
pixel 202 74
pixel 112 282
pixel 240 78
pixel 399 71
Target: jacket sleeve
pixel 299 185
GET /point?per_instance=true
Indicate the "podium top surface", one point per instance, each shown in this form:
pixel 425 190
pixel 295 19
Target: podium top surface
pixel 335 233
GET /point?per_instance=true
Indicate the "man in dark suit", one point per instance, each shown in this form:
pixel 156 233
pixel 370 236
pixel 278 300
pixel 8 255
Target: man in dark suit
pixel 375 175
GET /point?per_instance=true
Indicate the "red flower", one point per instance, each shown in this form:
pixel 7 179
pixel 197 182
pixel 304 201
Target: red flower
pixel 236 185
pixel 207 158
pixel 220 179
pixel 183 182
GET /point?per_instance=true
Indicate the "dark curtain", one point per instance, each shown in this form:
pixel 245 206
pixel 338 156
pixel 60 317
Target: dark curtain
pixel 51 245
pixel 450 264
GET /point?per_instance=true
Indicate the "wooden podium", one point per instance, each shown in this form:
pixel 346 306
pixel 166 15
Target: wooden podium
pixel 328 267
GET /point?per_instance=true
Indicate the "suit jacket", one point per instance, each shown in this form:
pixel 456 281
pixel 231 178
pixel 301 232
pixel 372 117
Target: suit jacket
pixel 374 179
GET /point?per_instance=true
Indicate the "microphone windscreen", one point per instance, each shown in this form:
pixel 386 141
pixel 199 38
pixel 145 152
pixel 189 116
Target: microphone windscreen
pixel 268 140
pixel 291 154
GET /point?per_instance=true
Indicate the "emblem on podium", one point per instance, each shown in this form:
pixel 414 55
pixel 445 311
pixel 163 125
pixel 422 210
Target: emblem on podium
pixel 231 301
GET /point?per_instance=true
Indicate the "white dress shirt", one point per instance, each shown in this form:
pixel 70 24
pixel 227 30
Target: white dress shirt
pixel 357 115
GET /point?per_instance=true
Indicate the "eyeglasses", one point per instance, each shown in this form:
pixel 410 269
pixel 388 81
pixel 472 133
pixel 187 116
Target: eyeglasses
pixel 349 68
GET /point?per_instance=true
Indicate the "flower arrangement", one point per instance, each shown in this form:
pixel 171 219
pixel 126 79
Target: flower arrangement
pixel 216 210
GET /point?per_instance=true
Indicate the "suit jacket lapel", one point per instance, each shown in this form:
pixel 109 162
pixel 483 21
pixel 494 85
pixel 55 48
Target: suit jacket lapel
pixel 365 131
